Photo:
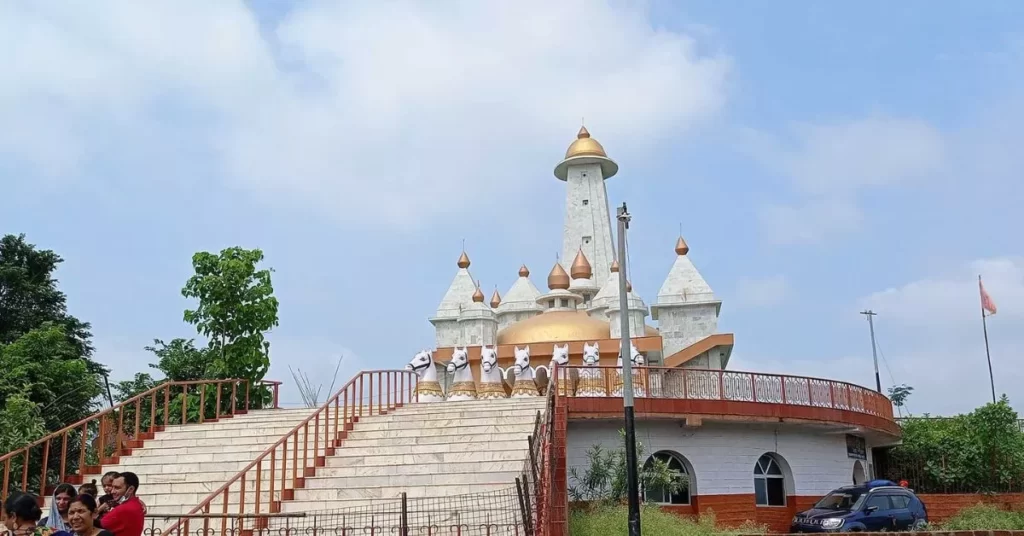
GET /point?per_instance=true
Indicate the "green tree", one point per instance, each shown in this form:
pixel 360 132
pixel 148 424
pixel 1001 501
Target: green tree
pixel 29 297
pixel 603 479
pixel 236 308
pixel 899 395
pixel 181 361
pixel 20 423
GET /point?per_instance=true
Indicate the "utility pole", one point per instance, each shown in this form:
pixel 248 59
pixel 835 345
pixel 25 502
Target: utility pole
pixel 874 348
pixel 625 349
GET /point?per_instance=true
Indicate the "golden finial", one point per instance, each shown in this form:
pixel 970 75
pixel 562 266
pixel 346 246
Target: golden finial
pixel 495 299
pixel 583 133
pixel 580 268
pixel 629 286
pixel 478 295
pixel 524 271
pixel 558 279
pixel 615 266
pixel 681 247
pixel 463 260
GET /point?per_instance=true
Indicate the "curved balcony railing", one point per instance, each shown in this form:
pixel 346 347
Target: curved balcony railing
pixel 70 453
pixel 724 385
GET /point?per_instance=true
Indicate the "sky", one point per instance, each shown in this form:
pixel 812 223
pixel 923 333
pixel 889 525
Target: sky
pixel 820 159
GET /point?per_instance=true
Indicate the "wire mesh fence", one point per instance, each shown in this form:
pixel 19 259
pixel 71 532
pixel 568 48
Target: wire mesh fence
pixel 501 512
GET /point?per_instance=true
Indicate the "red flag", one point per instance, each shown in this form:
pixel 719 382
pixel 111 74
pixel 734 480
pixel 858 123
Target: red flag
pixel 987 305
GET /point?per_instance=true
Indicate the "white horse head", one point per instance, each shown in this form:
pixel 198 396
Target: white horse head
pixel 488 359
pixel 636 358
pixel 591 354
pixel 559 356
pixel 460 360
pixel 422 364
pixel 522 360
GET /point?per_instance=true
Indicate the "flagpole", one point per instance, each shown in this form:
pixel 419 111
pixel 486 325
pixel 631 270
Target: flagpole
pixel 988 355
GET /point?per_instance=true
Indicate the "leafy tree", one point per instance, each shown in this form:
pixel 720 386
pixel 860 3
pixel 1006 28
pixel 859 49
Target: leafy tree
pixel 604 478
pixel 236 308
pixel 29 297
pixel 181 361
pixel 899 395
pixel 21 423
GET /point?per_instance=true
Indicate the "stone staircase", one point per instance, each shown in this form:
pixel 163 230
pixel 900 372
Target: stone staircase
pixel 434 453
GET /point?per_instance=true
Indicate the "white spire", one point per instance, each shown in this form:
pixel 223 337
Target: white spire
pixel 522 295
pixel 685 285
pixel 459 294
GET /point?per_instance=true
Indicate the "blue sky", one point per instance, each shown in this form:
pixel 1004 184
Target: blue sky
pixel 820 159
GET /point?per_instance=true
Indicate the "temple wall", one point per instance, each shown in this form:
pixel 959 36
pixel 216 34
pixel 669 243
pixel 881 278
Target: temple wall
pixel 686 324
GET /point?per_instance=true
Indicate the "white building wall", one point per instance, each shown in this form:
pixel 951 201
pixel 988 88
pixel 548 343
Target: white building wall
pixel 447 332
pixel 683 325
pixel 588 222
pixel 723 455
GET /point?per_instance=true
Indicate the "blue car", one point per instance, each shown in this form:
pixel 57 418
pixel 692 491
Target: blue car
pixel 879 505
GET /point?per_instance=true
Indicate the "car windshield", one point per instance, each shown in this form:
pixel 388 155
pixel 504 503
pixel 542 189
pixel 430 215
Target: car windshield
pixel 847 499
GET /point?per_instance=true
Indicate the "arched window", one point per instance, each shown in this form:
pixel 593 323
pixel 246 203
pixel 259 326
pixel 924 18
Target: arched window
pixel 769 482
pixel 658 494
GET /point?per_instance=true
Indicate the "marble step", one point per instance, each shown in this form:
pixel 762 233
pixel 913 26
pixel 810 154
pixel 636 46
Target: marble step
pixel 449 431
pixel 504 405
pixel 214 433
pixel 307 501
pixel 163 443
pixel 467 467
pixel 433 440
pixel 334 482
pixel 400 421
pixel 397 455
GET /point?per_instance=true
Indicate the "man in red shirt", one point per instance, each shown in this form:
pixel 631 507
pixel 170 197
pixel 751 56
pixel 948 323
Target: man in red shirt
pixel 128 515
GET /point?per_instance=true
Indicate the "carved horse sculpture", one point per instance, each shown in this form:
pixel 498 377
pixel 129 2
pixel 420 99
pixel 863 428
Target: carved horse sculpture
pixel 525 385
pixel 639 374
pixel 565 377
pixel 591 382
pixel 492 385
pixel 463 387
pixel 428 389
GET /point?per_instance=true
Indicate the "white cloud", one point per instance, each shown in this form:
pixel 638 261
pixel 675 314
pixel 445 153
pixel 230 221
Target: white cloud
pixel 400 111
pixel 756 292
pixel 934 335
pixel 827 165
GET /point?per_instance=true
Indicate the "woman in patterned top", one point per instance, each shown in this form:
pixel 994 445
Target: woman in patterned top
pixel 23 514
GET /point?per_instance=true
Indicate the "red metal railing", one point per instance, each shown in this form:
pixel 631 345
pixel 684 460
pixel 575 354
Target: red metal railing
pixel 727 385
pixel 67 455
pixel 283 467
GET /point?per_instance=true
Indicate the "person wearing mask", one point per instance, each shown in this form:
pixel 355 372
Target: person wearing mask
pixel 58 516
pixel 22 516
pixel 82 517
pixel 128 516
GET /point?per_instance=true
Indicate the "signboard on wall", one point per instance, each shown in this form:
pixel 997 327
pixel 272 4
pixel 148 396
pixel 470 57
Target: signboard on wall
pixel 856 447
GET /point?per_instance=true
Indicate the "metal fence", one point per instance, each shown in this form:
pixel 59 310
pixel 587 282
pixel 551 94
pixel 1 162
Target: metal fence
pixel 496 513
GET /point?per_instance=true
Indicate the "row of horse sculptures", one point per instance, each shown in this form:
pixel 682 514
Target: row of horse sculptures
pixel 526 381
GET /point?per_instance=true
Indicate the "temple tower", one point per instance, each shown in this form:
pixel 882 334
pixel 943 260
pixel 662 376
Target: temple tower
pixel 588 225
pixel 686 309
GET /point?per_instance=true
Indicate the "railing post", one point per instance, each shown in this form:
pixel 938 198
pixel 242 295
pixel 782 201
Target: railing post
pixel 277 391
pixel 152 413
pixel 216 411
pixel 167 404
pixel 404 524
pixel 64 456
pixel 247 395
pixel 522 508
pixel 46 459
pixel 369 402
pixel 184 403
pixel 138 417
pixel 202 402
pixel 81 455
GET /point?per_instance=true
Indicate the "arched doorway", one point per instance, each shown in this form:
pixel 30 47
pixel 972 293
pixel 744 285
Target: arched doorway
pixel 770 480
pixel 678 465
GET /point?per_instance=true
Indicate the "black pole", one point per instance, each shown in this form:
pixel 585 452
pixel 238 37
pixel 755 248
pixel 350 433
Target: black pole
pixel 405 515
pixel 625 349
pixel 988 355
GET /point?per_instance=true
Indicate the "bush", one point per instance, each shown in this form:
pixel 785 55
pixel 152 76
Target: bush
pixel 985 517
pixel 610 520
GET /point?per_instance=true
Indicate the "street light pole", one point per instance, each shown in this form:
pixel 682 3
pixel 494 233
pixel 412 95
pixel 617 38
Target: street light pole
pixel 625 349
pixel 874 348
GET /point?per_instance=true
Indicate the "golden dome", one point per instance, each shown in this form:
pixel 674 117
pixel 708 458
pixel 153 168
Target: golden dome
pixel 615 266
pixel 580 268
pixel 681 247
pixel 463 260
pixel 555 326
pixel 558 279
pixel 524 271
pixel 495 299
pixel 478 295
pixel 585 146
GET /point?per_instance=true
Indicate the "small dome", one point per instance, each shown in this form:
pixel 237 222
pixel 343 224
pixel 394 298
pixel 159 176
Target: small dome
pixel 558 279
pixel 524 271
pixel 463 260
pixel 585 146
pixel 615 266
pixel 580 268
pixel 495 299
pixel 478 295
pixel 681 247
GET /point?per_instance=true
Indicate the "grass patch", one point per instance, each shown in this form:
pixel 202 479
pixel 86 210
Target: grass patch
pixel 985 517
pixel 608 520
